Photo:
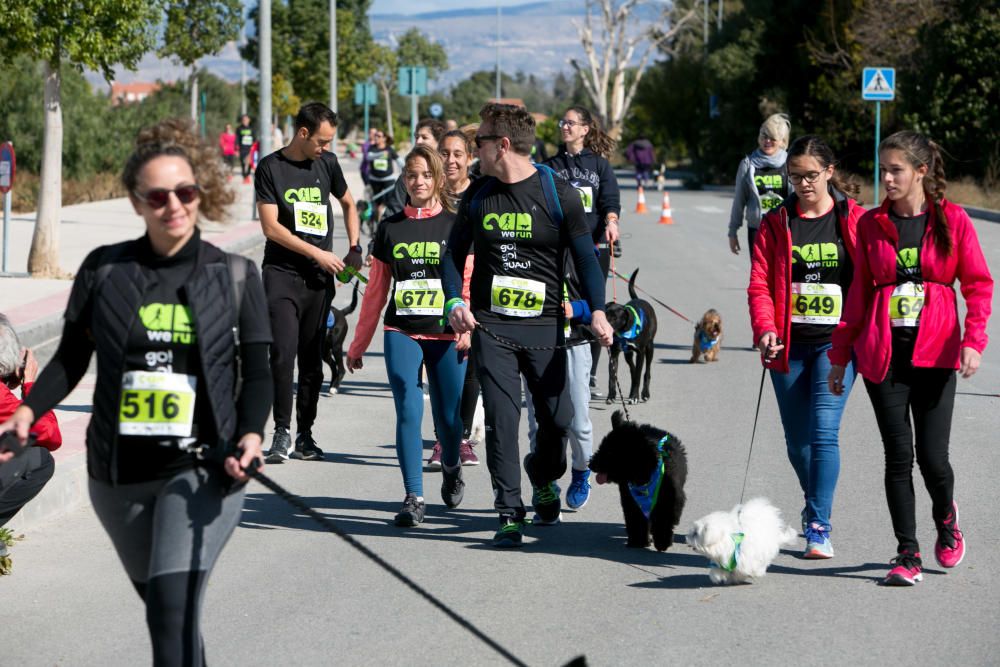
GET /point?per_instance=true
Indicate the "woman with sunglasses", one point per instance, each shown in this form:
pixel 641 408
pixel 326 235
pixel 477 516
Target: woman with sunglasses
pixel 406 266
pixel 761 180
pixel 171 433
pixel 901 321
pixel 582 159
pixel 800 274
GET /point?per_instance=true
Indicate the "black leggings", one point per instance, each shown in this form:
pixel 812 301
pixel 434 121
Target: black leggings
pixel 927 395
pixel 298 311
pixel 470 397
pixel 245 162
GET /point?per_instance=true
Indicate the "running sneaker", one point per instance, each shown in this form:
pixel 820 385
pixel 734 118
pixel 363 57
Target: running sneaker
pixel 906 570
pixel 279 446
pixel 510 534
pixel 818 545
pixel 578 492
pixel 434 462
pixel 949 550
pixel 452 486
pixel 546 502
pixel 306 448
pixel 413 511
pixel 465 453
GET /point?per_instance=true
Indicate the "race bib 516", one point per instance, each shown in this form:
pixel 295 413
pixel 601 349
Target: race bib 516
pixel 905 304
pixel 517 297
pixel 310 218
pixel 419 297
pixel 816 303
pixel 158 404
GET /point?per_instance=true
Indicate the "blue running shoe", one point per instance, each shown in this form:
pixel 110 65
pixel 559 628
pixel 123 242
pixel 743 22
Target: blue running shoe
pixel 546 502
pixel 818 544
pixel 578 492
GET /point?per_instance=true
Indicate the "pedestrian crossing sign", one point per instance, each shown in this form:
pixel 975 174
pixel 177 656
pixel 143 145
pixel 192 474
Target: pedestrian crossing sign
pixel 878 83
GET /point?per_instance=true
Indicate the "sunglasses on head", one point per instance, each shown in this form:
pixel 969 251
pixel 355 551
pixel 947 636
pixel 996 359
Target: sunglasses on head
pixel 480 138
pixel 160 197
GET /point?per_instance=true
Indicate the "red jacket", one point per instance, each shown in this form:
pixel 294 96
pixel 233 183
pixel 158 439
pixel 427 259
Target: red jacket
pixel 865 323
pixel 46 427
pixel 770 290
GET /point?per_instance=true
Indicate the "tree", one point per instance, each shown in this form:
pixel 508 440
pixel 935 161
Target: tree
pixel 96 34
pixel 412 49
pixel 198 28
pixel 384 76
pixel 610 52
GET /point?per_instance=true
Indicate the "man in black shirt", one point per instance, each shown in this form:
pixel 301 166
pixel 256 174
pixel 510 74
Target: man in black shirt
pixel 521 220
pixel 294 186
pixel 245 139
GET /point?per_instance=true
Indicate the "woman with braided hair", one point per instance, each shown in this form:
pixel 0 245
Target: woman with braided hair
pixel 901 319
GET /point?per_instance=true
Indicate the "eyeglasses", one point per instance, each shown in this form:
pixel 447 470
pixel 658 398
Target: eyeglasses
pixel 160 197
pixel 569 123
pixel 808 177
pixel 480 138
pixel 764 137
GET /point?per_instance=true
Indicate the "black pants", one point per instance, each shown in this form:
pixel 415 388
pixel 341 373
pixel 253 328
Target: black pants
pixel 927 397
pixel 500 369
pixel 298 309
pixel 245 161
pixel 22 478
pixel 470 397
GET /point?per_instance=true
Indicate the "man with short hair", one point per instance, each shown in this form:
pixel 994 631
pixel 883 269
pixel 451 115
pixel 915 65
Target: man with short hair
pixel 245 138
pixel 523 224
pixel 294 186
pixel 429 133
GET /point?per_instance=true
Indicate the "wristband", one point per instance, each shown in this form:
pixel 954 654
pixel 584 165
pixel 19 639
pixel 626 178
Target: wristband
pixel 452 304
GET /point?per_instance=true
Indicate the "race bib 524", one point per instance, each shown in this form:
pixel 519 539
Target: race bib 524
pixel 310 218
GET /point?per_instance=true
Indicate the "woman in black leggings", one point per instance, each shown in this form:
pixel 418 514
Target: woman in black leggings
pixel 174 321
pixel 902 320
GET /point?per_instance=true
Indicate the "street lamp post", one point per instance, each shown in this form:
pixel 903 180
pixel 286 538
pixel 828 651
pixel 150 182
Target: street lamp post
pixel 498 50
pixel 333 54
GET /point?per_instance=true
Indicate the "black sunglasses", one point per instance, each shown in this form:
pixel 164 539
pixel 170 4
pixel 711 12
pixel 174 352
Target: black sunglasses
pixel 486 137
pixel 159 197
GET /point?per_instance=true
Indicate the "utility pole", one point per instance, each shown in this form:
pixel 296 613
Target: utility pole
pixel 243 70
pixel 333 54
pixel 498 51
pixel 264 138
pixel 718 22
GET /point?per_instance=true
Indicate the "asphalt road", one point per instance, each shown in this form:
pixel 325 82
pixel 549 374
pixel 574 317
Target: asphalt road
pixel 286 592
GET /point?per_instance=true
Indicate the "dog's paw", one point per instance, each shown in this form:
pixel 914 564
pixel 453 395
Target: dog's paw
pixel 633 401
pixel 609 400
pixel 645 396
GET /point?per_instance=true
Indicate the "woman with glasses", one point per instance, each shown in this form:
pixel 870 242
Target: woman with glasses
pixel 761 180
pixel 582 159
pixel 170 434
pixel 801 268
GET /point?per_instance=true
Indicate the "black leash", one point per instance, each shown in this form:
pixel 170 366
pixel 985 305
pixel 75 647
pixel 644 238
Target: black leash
pixel 675 312
pixel 760 394
pixel 329 525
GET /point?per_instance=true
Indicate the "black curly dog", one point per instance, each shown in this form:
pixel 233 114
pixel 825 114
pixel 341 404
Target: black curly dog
pixel 637 344
pixel 629 455
pixel 333 341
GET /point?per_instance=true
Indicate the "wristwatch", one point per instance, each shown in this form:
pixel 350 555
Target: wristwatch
pixel 357 248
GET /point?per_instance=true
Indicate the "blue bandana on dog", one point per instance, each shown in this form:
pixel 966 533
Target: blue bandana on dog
pixel 638 322
pixel 330 320
pixel 735 558
pixel 706 343
pixel 645 495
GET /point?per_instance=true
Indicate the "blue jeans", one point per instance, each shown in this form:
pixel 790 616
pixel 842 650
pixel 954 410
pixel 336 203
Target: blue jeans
pixel 810 415
pixel 446 376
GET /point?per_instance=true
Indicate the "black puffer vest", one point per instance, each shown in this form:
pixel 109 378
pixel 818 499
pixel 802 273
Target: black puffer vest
pixel 116 295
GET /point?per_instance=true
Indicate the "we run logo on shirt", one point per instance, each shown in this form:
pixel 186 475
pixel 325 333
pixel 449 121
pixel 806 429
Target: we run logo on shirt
pixel 168 323
pixel 908 259
pixel 420 252
pixel 815 255
pixel 313 195
pixel 511 225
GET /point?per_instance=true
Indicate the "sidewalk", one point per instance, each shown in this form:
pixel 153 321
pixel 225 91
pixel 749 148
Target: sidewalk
pixel 35 308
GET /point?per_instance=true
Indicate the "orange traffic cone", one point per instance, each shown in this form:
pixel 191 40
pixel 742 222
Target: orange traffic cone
pixel 666 217
pixel 640 206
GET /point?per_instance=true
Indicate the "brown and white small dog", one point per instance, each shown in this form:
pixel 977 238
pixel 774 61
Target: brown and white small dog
pixel 707 337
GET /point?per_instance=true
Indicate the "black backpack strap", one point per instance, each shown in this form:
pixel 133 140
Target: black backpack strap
pixel 547 175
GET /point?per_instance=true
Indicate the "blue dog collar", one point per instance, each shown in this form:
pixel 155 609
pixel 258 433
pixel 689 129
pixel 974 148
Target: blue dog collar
pixel 645 495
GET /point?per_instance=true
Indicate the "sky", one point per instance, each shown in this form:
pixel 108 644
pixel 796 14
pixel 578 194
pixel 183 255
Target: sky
pixel 410 7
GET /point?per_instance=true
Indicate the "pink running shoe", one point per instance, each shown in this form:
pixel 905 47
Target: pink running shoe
pixel 434 462
pixel 906 571
pixel 949 550
pixel 466 455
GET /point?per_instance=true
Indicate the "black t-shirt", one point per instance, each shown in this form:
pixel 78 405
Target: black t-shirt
pixel 907 299
pixel 164 381
pixel 244 138
pixel 820 277
pixel 518 273
pixel 414 250
pixel 772 187
pixel 301 191
pixel 381 164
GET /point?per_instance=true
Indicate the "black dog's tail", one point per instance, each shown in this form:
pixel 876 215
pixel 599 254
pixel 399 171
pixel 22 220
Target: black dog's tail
pixel 631 284
pixel 354 299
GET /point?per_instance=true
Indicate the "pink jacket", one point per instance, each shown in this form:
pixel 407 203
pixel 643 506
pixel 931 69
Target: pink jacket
pixel 770 292
pixel 865 323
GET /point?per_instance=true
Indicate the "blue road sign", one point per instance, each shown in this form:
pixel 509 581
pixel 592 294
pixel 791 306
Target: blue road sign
pixel 364 93
pixel 412 81
pixel 436 110
pixel 878 84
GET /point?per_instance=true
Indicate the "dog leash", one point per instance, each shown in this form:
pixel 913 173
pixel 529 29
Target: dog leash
pixel 296 502
pixel 675 312
pixel 760 394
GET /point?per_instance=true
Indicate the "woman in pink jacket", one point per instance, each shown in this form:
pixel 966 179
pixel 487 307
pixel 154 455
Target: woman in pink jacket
pixel 800 273
pixel 902 321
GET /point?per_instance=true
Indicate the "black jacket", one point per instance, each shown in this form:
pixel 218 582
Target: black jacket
pixel 586 168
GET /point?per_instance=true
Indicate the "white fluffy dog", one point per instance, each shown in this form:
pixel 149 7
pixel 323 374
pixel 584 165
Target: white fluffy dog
pixel 741 543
